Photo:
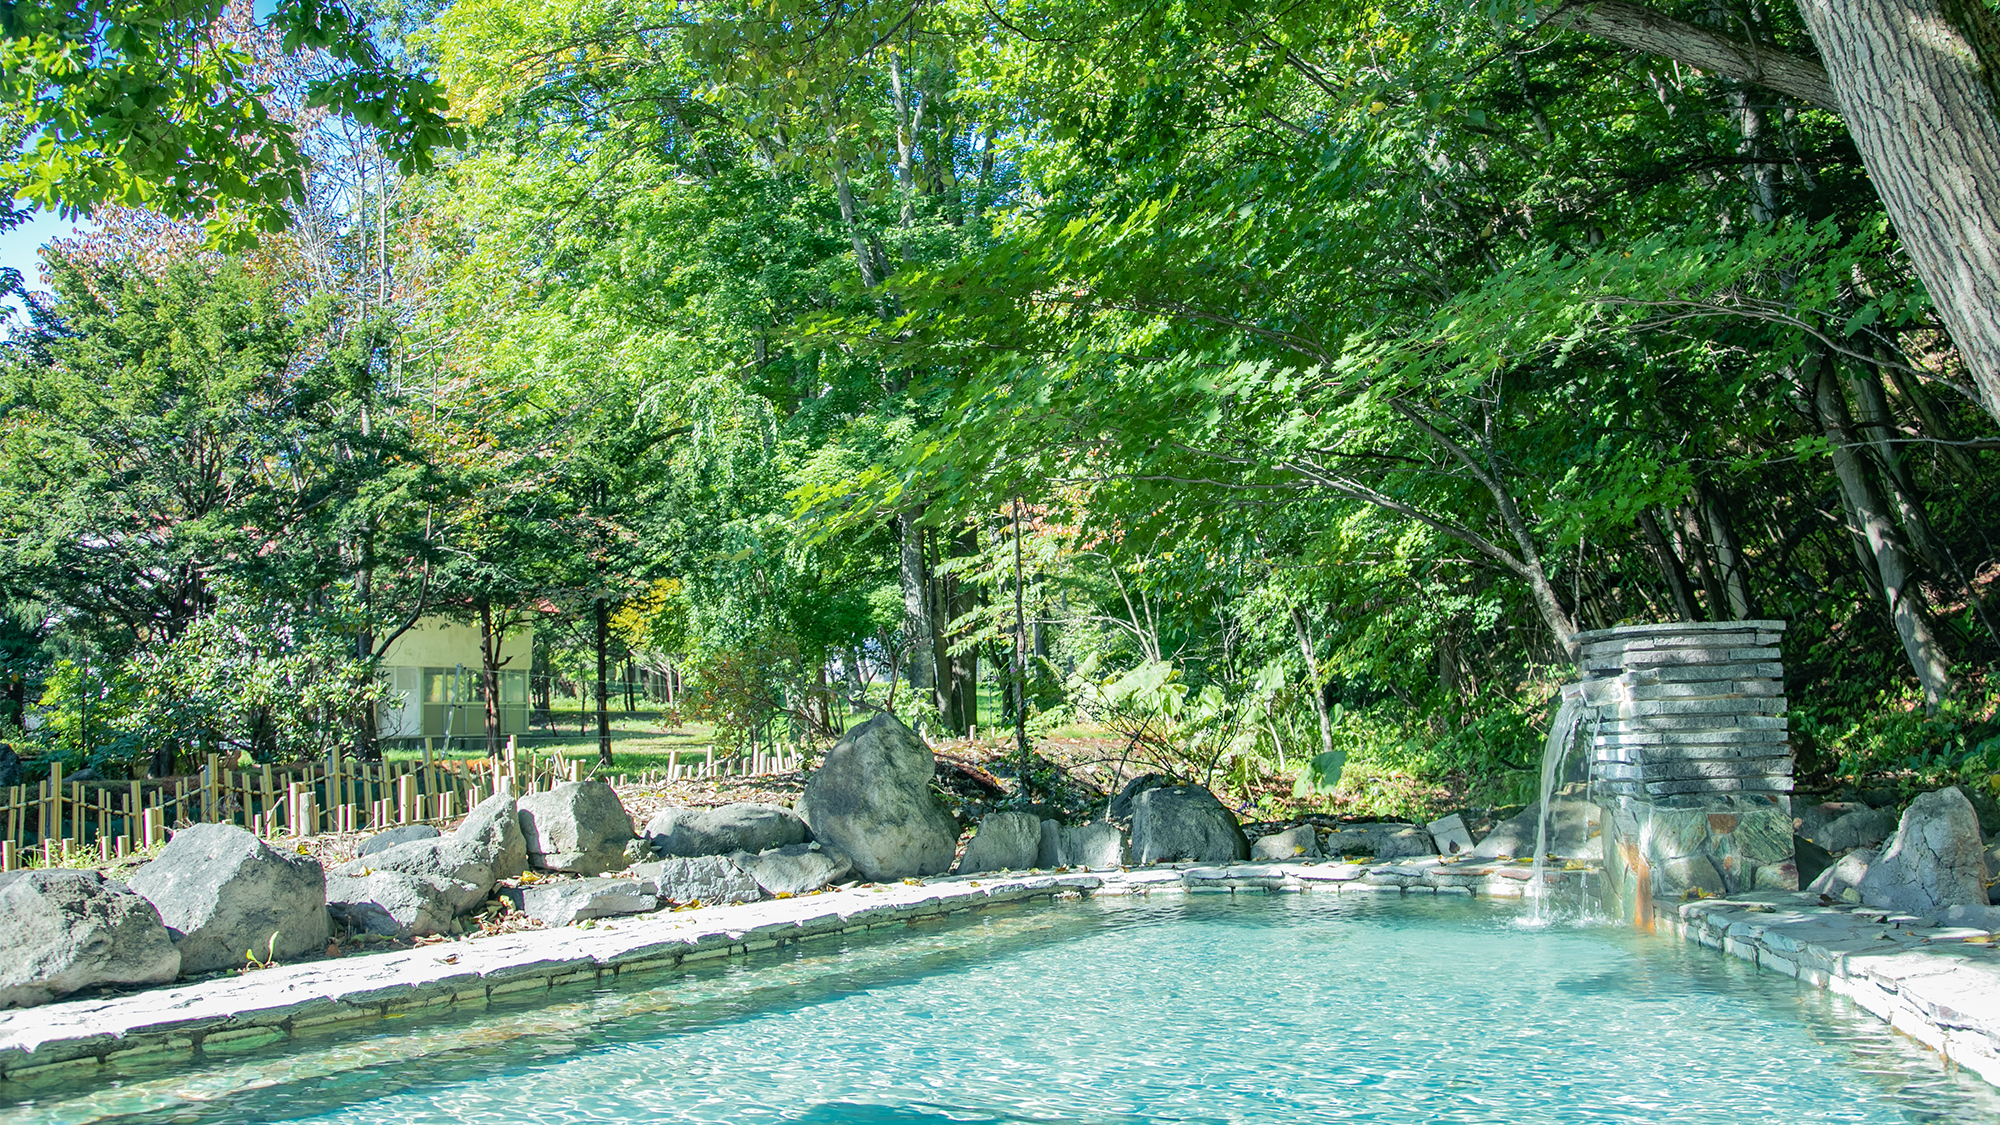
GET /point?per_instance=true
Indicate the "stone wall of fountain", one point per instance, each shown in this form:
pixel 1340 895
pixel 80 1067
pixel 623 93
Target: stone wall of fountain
pixel 1690 764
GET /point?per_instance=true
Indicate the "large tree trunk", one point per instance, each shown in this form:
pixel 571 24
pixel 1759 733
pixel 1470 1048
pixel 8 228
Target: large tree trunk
pixel 1885 541
pixel 1916 83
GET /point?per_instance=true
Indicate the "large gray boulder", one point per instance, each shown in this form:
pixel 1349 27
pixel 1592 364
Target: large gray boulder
pixel 795 869
pixel 397 904
pixel 493 830
pixel 461 868
pixel 1121 805
pixel 1383 840
pixel 711 880
pixel 225 895
pixel 1569 834
pixel 1095 846
pixel 61 931
pixel 401 834
pixel 871 798
pixel 1862 828
pixel 725 830
pixel 10 767
pixel 1004 841
pixel 1936 859
pixel 1184 822
pixel 580 900
pixel 1293 843
pixel 579 826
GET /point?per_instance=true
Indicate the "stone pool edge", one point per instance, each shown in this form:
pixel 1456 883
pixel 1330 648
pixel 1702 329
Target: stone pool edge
pixel 1938 985
pixel 255 1009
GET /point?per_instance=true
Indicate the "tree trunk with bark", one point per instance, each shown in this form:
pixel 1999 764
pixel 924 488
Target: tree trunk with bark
pixel 603 636
pixel 1887 551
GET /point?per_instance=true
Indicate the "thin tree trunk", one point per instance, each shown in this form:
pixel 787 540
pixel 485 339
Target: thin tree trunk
pixel 489 677
pixel 603 634
pixel 915 577
pixel 1885 542
pixel 1696 550
pixel 1734 572
pixel 1321 711
pixel 1670 566
pixel 843 192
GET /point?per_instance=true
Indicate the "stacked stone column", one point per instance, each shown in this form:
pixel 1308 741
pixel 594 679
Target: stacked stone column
pixel 1690 762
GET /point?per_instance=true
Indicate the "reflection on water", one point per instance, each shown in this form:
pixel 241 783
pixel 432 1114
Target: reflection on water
pixel 1275 1009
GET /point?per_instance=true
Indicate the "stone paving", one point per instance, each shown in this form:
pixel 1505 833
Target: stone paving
pixel 1940 985
pixel 251 1009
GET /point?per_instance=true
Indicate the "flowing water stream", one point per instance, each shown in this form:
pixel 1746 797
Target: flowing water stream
pixel 1562 736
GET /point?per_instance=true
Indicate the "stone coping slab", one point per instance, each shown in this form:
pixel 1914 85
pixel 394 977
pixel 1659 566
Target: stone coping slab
pixel 1938 985
pixel 255 1008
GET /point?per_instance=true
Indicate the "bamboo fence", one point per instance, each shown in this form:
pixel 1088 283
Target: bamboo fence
pixel 58 818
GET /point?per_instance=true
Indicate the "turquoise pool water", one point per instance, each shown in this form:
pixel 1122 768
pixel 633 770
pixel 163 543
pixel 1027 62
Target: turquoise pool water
pixel 1276 1009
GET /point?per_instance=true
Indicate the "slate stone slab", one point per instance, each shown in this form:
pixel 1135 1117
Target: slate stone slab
pixel 707 879
pixel 580 900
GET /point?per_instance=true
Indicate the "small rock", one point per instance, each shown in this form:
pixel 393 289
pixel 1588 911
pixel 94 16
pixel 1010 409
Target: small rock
pixel 61 931
pixel 639 849
pixel 1450 836
pixel 398 904
pixel 1004 841
pixel 1569 834
pixel 225 895
pixel 462 868
pixel 1813 817
pixel 794 869
pixel 579 826
pixel 1381 840
pixel 401 834
pixel 579 900
pixel 871 798
pixel 1844 875
pixel 1293 843
pixel 708 879
pixel 742 827
pixel 1184 822
pixel 1978 917
pixel 1936 859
